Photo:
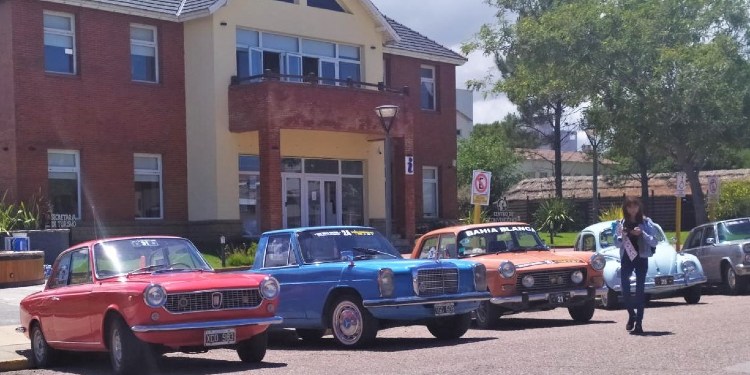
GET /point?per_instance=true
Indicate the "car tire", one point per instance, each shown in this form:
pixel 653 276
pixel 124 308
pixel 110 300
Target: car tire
pixel 611 301
pixel 351 324
pixel 487 315
pixel 450 328
pixel 734 284
pixel 583 313
pixel 42 355
pixel 310 335
pixel 693 294
pixel 253 350
pixel 127 353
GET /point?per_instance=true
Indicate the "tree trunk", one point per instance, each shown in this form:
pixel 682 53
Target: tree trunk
pixel 557 145
pixel 643 174
pixel 699 204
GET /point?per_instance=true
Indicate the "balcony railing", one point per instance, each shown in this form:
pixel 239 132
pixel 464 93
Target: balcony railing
pixel 313 79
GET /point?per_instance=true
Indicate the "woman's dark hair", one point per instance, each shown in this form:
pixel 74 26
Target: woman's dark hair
pixel 630 201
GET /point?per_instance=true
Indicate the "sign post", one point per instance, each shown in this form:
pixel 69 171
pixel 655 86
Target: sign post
pixel 679 194
pixel 480 192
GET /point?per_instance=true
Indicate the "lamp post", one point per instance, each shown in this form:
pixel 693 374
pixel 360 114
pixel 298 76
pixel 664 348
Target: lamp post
pixel 593 136
pixel 386 114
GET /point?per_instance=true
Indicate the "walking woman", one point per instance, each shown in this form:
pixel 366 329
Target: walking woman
pixel 635 237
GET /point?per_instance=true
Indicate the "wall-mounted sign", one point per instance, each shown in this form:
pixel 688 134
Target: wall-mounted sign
pixel 62 221
pixel 409 166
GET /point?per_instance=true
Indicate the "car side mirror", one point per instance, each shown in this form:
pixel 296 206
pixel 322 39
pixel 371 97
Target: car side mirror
pixel 348 256
pixel 710 241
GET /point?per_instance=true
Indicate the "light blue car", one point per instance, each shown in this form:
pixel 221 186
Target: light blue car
pixel 352 281
pixel 669 272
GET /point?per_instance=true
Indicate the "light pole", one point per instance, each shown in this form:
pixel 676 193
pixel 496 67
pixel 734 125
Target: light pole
pixel 593 136
pixel 386 114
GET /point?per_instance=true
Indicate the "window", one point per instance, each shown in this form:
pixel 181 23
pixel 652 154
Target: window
pixel 143 53
pixel 59 43
pixel 428 87
pixel 148 186
pixel 430 192
pixel 694 240
pixel 427 245
pixel 64 175
pixel 708 233
pixel 326 4
pixel 278 252
pixel 249 193
pixel 448 245
pixel 60 273
pixel 80 267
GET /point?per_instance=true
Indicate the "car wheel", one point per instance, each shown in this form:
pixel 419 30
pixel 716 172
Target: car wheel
pixel 610 301
pixel 42 355
pixel 126 352
pixel 450 328
pixel 734 284
pixel 693 294
pixel 253 349
pixel 351 324
pixel 583 313
pixel 487 315
pixel 310 335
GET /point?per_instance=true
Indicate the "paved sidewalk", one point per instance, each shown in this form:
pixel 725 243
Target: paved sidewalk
pixel 14 347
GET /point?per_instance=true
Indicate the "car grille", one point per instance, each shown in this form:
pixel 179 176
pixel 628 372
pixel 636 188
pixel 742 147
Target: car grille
pixel 206 300
pixel 550 280
pixel 437 281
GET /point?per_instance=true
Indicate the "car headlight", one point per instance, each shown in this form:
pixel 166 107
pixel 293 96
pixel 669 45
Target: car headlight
pixel 507 269
pixel 598 262
pixel 576 277
pixel 527 281
pixel 269 288
pixel 747 258
pixel 155 296
pixel 385 282
pixel 688 266
pixel 746 248
pixel 480 277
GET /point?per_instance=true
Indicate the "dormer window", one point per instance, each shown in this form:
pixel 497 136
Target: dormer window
pixel 326 4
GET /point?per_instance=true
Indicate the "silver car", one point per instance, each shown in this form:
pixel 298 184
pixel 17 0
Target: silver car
pixel 723 248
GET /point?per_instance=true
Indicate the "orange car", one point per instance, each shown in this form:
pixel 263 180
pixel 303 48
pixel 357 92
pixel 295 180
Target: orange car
pixel 522 273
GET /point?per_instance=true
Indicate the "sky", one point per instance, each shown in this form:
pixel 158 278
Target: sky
pixel 450 23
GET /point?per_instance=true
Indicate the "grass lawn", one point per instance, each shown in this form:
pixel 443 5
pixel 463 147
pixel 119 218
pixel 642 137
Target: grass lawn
pixel 213 260
pixel 567 239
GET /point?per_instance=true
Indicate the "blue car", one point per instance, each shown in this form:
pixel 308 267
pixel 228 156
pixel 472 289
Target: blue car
pixel 352 281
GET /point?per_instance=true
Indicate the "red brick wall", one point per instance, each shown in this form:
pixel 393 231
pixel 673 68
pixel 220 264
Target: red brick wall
pixel 7 103
pixel 434 131
pixel 100 111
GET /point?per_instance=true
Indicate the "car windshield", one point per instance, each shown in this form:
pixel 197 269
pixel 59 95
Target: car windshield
pixel 120 257
pixel 606 237
pixel 500 239
pixel 734 230
pixel 326 245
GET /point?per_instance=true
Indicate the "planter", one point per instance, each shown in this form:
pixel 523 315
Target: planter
pixel 51 241
pixel 21 268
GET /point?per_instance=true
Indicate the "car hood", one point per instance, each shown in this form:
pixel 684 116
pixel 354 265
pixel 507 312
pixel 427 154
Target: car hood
pixel 178 282
pixel 532 260
pixel 404 265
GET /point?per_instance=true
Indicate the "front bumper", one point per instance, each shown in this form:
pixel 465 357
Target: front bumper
pixel 590 292
pixel 679 283
pixel 215 324
pixel 742 269
pixel 414 301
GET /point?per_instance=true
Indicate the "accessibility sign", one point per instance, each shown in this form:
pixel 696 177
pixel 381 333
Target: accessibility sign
pixel 480 187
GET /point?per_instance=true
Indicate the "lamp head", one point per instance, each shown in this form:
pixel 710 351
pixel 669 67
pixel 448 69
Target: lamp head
pixel 386 114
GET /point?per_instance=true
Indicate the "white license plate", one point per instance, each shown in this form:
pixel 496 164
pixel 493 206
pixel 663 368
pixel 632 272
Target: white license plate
pixel 442 309
pixel 216 337
pixel 558 298
pixel 664 280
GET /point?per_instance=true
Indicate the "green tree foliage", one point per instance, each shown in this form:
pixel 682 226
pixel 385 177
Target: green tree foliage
pixel 734 201
pixel 513 130
pixel 553 215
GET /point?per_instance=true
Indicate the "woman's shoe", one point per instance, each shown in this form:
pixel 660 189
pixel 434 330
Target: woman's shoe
pixel 629 326
pixel 638 330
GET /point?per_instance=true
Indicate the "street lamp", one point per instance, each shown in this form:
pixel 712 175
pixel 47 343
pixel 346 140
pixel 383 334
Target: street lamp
pixel 386 114
pixel 594 139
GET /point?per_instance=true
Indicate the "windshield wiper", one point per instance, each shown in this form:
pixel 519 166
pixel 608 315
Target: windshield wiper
pixel 145 269
pixel 373 251
pixel 536 247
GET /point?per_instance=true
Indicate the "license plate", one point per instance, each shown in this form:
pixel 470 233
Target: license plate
pixel 663 280
pixel 215 337
pixel 558 298
pixel 442 309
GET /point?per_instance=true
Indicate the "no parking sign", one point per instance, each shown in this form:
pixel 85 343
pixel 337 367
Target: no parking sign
pixel 480 187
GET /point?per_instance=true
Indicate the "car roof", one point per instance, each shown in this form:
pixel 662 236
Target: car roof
pixel 599 227
pixel 305 229
pixel 107 239
pixel 459 228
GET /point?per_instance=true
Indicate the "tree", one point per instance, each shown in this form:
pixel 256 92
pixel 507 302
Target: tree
pixel 512 130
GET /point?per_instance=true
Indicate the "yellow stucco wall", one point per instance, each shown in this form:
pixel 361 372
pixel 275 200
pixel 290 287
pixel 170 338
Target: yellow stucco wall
pixel 210 64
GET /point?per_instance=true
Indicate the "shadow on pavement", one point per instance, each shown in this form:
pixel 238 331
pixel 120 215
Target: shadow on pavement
pixel 653 334
pixel 518 324
pixel 288 340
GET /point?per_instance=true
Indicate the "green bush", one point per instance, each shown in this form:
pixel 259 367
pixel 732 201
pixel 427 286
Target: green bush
pixel 734 201
pixel 241 256
pixel 21 216
pixel 613 212
pixel 553 215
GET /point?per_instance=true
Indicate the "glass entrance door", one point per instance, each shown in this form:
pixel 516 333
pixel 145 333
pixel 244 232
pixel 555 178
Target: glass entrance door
pixel 293 204
pixel 323 202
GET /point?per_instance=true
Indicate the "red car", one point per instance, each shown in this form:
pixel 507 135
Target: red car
pixel 138 297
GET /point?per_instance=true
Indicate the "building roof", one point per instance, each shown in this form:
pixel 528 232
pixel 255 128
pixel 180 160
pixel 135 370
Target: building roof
pixel 414 44
pixel 660 184
pixel 567 156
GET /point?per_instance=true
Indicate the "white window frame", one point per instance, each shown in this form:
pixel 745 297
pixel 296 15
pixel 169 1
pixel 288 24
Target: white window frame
pixel 154 45
pixel 76 170
pixel 433 81
pixel 151 172
pixel 71 33
pixel 437 191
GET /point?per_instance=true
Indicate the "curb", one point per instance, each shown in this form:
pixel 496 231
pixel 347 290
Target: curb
pixel 14 364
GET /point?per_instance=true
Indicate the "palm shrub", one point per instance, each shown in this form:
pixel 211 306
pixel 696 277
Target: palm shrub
pixel 21 216
pixel 613 212
pixel 734 201
pixel 552 215
pixel 242 255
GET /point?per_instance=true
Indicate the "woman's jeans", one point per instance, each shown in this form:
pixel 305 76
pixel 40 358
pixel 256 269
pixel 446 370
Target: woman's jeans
pixel 634 304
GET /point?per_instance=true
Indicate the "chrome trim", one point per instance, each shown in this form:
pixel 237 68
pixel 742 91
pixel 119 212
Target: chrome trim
pixel 213 310
pixel 678 284
pixel 415 277
pixel 742 269
pixel 207 325
pixel 413 301
pixel 21 329
pixel 545 296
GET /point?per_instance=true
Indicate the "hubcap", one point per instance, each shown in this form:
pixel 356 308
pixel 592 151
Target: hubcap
pixel 482 312
pixel 731 278
pixel 347 323
pixel 116 348
pixel 39 347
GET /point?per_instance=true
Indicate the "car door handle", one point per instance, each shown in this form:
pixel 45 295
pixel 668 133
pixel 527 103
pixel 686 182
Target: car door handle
pixel 55 298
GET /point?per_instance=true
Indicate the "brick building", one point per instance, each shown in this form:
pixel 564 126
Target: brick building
pixel 229 117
